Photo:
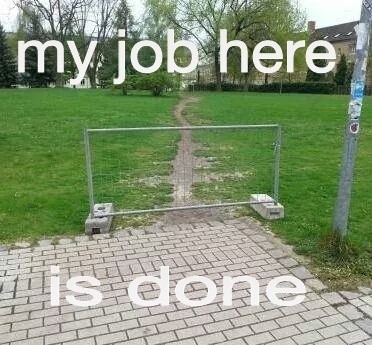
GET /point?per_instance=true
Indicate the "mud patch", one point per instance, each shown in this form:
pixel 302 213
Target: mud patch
pixel 210 177
pixel 152 181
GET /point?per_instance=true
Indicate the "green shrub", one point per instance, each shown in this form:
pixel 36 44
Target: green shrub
pixel 305 87
pixel 157 82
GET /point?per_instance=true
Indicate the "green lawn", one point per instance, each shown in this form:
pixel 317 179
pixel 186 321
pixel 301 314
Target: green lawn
pixel 43 190
pixel 311 156
pixel 43 184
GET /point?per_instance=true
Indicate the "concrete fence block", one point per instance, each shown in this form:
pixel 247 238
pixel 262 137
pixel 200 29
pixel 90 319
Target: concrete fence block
pixel 268 209
pixel 101 224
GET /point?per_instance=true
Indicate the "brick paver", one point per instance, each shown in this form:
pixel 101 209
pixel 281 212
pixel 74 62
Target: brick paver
pixel 214 249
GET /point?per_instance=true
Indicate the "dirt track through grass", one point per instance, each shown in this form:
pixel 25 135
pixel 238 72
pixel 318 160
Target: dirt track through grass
pixel 185 173
pixel 183 167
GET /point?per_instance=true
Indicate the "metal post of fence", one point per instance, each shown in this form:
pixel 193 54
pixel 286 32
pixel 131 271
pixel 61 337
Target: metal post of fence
pixel 278 145
pixel 341 217
pixel 88 159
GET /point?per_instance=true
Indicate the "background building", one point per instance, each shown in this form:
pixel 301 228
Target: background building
pixel 343 37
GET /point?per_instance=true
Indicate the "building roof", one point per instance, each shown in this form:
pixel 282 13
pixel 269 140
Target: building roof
pixel 337 33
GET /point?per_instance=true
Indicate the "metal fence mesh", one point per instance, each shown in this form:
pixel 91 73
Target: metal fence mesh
pixel 147 169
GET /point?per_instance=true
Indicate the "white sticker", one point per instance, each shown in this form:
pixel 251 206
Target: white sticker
pixel 365 64
pixel 362 32
pixel 368 5
pixel 355 110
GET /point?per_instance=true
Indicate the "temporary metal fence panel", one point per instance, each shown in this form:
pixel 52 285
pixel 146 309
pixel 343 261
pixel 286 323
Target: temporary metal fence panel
pixel 162 169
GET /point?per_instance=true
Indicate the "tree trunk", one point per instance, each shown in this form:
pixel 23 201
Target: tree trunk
pixel 60 80
pixel 92 75
pixel 217 69
pixel 93 82
pixel 246 82
pixel 157 90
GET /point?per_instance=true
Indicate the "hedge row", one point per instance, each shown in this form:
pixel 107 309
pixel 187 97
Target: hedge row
pixel 306 87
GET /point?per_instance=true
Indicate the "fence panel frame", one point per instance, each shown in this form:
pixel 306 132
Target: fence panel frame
pixel 89 170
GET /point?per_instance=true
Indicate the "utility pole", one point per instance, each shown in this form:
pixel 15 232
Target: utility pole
pixel 341 217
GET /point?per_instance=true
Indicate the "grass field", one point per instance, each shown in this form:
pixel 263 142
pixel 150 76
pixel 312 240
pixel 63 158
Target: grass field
pixel 311 156
pixel 43 184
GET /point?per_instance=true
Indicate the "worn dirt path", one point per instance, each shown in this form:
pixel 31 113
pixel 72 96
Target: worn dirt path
pixel 184 175
pixel 183 166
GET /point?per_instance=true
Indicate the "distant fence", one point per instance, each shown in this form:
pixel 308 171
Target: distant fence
pixel 304 87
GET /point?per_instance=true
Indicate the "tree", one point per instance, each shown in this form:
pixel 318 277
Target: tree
pixel 157 21
pixel 350 72
pixel 255 21
pixel 317 77
pixel 341 71
pixel 124 18
pixel 96 23
pixel 7 65
pixel 202 20
pixel 29 29
pixel 286 22
pixel 57 18
pixel 82 21
pixel 154 29
pixel 248 20
pixel 109 68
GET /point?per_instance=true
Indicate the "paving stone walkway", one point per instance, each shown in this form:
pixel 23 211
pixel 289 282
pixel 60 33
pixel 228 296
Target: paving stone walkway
pixel 214 249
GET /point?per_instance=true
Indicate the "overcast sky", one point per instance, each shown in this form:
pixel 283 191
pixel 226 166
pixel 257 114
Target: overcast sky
pixel 324 12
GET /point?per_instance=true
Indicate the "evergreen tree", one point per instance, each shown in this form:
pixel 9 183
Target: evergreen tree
pixel 32 78
pixel 342 71
pixel 316 77
pixel 350 72
pixel 124 18
pixel 109 69
pixel 8 74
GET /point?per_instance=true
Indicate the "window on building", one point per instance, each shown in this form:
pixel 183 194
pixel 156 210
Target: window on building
pixel 83 82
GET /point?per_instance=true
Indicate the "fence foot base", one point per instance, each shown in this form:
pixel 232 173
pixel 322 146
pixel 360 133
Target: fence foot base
pixel 267 210
pixel 99 225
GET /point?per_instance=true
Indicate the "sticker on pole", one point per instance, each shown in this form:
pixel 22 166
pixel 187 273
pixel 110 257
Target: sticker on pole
pixel 368 5
pixel 355 110
pixel 354 128
pixel 357 91
pixel 362 31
